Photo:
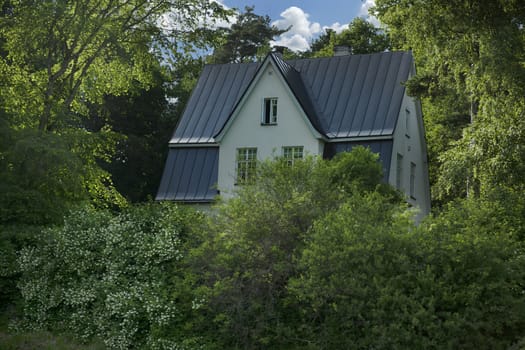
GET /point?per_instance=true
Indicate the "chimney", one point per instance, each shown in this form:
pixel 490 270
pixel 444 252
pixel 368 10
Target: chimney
pixel 278 51
pixel 342 50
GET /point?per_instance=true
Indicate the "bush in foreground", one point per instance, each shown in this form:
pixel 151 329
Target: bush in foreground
pixel 116 277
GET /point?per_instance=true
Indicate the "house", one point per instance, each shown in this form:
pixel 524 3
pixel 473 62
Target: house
pixel 240 113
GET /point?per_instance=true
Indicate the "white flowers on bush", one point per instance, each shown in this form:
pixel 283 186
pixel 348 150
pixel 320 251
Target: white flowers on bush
pixel 107 276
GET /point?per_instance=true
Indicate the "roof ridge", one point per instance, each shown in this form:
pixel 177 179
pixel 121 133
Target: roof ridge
pixel 301 92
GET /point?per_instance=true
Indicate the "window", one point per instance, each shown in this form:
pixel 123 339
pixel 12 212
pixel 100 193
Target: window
pixel 246 165
pixel 407 122
pixel 292 153
pixel 269 116
pixel 412 180
pixel 399 171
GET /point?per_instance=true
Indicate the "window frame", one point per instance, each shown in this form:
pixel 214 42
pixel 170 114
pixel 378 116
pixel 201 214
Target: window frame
pixel 292 153
pixel 412 180
pixel 270 111
pixel 245 165
pixel 407 122
pixel 399 171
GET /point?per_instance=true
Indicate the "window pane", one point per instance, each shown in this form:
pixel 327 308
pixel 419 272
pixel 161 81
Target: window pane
pixel 412 180
pixel 399 171
pixel 246 164
pixel 267 103
pixel 270 111
pixel 292 153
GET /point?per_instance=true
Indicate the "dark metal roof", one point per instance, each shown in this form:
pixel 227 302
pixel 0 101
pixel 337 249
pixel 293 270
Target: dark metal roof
pixel 217 92
pixel 190 175
pixel 382 147
pixel 343 96
pixel 296 84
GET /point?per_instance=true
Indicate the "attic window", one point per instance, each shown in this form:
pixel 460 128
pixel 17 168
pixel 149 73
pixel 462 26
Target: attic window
pixel 269 116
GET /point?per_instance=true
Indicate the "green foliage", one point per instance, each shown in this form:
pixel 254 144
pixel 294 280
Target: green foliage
pixel 61 55
pixel 471 76
pixel 317 255
pixel 144 124
pixel 114 277
pixel 372 280
pixel 361 37
pixel 250 253
pixel 247 39
pixel 44 174
pixel 13 238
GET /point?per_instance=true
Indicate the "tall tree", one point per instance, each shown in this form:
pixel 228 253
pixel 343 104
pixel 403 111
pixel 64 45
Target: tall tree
pixel 471 74
pixel 58 59
pixel 62 54
pixel 361 37
pixel 248 38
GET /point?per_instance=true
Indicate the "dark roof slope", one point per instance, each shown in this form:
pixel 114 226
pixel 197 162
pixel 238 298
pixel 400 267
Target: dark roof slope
pixel 344 96
pixel 357 95
pixel 217 91
pixel 190 175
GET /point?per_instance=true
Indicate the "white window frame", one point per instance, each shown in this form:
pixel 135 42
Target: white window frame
pixel 293 153
pixel 399 171
pixel 412 180
pixel 407 122
pixel 269 111
pixel 246 165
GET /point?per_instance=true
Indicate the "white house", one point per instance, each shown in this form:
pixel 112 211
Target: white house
pixel 241 113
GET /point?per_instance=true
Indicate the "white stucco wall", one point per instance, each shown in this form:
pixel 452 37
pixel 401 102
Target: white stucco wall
pixel 245 129
pixel 410 143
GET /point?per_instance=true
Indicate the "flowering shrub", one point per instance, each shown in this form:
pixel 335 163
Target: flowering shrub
pixel 116 277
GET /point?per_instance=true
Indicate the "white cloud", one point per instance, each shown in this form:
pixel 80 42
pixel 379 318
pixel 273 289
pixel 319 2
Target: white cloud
pixel 363 12
pixel 295 42
pixel 213 23
pixel 301 32
pixel 337 27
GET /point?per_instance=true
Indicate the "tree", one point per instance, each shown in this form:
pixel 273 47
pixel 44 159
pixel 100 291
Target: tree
pixel 60 60
pixel 115 277
pixel 370 279
pixel 78 52
pixel 361 37
pixel 470 58
pixel 247 39
pixel 250 251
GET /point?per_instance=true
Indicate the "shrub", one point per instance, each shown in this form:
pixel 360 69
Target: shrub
pixel 372 280
pixel 117 277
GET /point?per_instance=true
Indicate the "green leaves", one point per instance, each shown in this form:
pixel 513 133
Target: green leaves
pixel 470 62
pixel 361 37
pixel 367 273
pixel 115 277
pixel 247 39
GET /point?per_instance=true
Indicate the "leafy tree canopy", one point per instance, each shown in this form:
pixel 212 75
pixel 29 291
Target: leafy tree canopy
pixel 247 39
pixel 361 37
pixel 470 57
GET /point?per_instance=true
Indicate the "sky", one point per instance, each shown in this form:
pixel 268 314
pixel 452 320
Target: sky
pixel 308 18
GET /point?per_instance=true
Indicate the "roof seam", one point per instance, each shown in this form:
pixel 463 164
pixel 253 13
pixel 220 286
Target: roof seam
pixel 369 97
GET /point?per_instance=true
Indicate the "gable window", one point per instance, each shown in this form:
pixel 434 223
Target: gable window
pixel 291 154
pixel 399 171
pixel 269 116
pixel 246 165
pixel 412 180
